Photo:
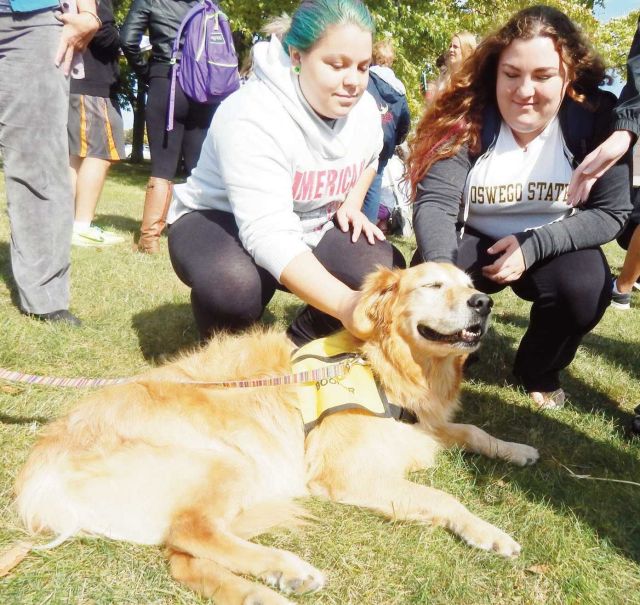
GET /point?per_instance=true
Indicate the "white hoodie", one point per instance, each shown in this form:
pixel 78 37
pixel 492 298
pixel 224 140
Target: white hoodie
pixel 273 162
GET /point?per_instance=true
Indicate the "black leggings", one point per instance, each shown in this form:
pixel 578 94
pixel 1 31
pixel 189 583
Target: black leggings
pixel 229 291
pixel 570 294
pixel 190 126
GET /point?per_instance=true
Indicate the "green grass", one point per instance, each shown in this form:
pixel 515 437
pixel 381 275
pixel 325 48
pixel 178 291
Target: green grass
pixel 580 538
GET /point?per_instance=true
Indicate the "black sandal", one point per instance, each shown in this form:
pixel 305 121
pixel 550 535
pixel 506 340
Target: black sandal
pixel 635 423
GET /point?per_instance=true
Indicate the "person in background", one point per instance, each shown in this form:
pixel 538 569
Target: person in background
pixel 626 129
pixel 275 200
pixel 37 44
pixel 162 19
pixel 504 138
pixel 390 95
pixel 96 132
pixel 461 47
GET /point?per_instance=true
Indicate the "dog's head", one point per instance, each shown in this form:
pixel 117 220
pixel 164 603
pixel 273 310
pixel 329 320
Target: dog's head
pixel 432 306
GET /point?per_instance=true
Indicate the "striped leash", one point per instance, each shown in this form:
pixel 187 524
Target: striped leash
pixel 333 371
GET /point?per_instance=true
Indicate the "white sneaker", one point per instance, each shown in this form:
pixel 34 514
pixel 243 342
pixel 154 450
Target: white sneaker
pixel 94 237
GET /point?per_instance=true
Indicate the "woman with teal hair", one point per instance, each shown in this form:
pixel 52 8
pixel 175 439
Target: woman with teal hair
pixel 274 202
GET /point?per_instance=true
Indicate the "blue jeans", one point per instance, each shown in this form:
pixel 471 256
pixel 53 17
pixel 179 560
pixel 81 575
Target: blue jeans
pixel 34 103
pixel 372 199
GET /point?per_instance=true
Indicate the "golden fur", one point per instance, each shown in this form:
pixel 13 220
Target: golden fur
pixel 203 469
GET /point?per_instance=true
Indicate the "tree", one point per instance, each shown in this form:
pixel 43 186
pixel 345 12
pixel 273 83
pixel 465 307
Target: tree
pixel 422 29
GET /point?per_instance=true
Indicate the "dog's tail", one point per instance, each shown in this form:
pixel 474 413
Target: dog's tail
pixel 268 516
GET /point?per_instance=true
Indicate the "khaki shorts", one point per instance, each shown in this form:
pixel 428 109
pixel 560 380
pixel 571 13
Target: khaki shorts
pixel 95 128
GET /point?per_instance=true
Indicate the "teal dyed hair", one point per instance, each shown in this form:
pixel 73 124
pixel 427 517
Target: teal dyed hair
pixel 313 17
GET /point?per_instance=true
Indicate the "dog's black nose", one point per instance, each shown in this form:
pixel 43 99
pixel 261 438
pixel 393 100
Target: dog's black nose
pixel 481 303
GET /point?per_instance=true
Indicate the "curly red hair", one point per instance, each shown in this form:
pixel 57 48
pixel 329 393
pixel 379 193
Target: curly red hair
pixel 455 117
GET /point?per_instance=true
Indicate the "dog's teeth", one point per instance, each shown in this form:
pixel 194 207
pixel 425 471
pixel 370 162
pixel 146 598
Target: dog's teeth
pixel 468 336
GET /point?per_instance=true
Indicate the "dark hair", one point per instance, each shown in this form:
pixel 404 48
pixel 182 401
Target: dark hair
pixel 455 117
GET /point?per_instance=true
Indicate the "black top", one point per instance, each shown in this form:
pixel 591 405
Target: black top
pixel 628 108
pixel 162 19
pixel 101 73
pixel 599 220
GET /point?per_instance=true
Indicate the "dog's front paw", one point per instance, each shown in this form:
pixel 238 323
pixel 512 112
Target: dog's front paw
pixel 295 576
pixel 520 454
pixel 488 537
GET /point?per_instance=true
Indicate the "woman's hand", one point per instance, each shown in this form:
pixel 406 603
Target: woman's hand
pixel 77 31
pixel 349 217
pixel 346 312
pixel 596 164
pixel 509 266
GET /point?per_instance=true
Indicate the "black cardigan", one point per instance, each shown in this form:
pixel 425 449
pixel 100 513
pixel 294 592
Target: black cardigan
pixel 439 194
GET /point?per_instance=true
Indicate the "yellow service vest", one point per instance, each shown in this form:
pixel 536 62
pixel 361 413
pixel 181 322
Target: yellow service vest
pixel 356 389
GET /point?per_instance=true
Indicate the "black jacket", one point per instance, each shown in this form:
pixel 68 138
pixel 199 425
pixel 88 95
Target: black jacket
pixel 101 73
pixel 162 19
pixel 439 194
pixel 628 109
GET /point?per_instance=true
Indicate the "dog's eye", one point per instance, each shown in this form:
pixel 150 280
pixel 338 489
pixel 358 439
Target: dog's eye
pixel 436 285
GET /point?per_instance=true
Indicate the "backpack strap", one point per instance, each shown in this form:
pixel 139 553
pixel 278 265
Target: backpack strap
pixel 175 59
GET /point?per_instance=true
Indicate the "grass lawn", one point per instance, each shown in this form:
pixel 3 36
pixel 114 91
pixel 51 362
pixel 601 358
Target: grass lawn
pixel 580 537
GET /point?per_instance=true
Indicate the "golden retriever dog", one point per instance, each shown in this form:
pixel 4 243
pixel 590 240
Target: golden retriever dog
pixel 201 469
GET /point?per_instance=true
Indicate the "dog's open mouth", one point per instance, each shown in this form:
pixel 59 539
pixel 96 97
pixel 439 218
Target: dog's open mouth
pixel 468 336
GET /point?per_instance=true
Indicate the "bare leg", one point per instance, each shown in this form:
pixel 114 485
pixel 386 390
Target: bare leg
pixel 90 175
pixel 474 439
pixel 631 266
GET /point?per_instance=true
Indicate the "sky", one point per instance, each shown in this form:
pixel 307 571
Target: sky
pixel 616 8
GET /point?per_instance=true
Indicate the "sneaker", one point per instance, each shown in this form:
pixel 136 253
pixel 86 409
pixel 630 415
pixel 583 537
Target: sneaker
pixel 636 286
pixel 619 300
pixel 94 237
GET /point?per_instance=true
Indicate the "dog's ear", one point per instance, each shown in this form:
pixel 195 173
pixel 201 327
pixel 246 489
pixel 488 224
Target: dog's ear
pixel 378 294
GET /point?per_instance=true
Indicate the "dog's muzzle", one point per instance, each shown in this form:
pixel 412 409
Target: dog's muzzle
pixel 471 334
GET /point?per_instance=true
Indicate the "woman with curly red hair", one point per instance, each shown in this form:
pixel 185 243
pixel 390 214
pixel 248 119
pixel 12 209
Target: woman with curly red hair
pixel 490 164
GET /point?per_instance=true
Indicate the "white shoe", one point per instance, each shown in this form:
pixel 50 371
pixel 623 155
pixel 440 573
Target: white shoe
pixel 94 237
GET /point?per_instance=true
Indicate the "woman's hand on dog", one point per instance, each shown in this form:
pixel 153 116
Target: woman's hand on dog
pixel 510 265
pixel 352 218
pixel 346 313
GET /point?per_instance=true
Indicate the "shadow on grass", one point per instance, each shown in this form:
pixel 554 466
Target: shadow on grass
pixel 611 509
pixel 6 275
pixel 618 351
pixel 165 331
pixel 6 419
pixel 581 395
pixel 121 223
pixel 170 329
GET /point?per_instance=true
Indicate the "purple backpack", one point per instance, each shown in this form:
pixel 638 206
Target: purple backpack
pixel 206 66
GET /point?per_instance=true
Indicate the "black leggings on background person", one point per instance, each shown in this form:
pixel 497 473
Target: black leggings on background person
pixel 190 127
pixel 229 291
pixel 570 293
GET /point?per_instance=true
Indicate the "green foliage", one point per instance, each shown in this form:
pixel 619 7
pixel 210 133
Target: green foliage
pixel 422 29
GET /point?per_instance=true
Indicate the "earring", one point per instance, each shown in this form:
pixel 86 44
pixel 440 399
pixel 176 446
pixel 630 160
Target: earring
pixel 296 69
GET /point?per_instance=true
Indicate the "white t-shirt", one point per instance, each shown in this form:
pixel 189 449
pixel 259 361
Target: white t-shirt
pixel 512 189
